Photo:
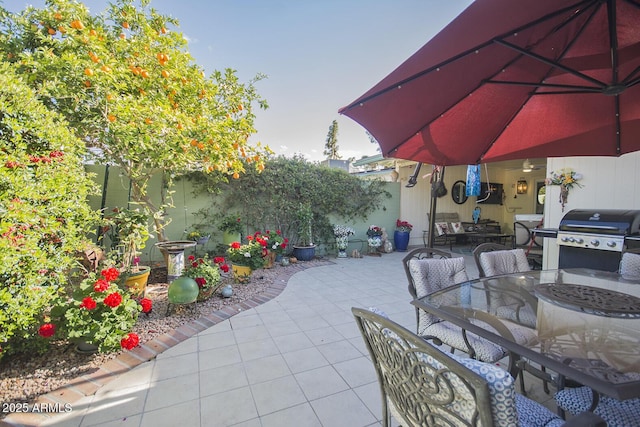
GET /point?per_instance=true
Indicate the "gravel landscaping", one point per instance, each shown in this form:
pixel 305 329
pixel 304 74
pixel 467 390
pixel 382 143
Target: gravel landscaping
pixel 23 379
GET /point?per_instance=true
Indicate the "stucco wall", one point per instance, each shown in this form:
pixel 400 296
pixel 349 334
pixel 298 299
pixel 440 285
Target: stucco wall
pixel 607 183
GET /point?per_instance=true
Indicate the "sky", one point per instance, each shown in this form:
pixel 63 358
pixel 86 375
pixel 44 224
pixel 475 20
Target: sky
pixel 317 55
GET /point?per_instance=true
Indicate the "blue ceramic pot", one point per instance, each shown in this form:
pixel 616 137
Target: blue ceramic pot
pixel 401 240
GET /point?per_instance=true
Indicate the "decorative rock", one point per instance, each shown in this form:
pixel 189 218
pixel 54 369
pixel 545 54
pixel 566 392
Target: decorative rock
pixel 227 291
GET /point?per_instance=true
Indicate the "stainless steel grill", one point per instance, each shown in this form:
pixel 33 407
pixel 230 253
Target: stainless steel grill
pixel 597 238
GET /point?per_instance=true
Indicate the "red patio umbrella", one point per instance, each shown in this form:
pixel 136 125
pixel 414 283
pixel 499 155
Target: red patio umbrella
pixel 511 80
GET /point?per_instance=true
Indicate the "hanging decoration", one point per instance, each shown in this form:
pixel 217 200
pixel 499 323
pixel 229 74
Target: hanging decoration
pixel 566 178
pixel 473 180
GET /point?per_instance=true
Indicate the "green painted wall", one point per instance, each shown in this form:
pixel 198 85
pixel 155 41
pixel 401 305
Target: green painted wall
pixel 186 205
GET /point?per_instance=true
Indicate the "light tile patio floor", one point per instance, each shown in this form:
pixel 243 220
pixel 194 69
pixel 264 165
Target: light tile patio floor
pixel 296 360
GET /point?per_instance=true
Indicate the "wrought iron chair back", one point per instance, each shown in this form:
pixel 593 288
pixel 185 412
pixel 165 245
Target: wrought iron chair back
pixel 420 383
pixel 423 386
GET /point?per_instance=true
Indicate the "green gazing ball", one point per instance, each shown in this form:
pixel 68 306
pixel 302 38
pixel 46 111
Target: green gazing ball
pixel 183 290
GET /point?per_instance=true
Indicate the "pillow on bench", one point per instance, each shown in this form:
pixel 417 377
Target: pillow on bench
pixel 442 228
pixel 456 227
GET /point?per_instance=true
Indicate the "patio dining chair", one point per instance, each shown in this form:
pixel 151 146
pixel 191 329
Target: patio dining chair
pixel 430 270
pixel 630 263
pixel 617 413
pixel 493 259
pixel 423 386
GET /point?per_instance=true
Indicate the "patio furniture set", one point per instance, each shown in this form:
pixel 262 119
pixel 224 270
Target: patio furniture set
pixel 449 229
pixel 575 328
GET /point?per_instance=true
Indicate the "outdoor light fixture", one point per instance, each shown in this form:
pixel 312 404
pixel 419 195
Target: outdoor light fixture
pixel 413 179
pixel 522 187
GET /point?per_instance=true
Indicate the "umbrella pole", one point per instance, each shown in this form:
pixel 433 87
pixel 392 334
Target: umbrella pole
pixel 432 210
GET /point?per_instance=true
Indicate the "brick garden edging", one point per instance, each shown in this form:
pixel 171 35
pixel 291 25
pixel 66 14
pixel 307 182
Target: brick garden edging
pixel 87 385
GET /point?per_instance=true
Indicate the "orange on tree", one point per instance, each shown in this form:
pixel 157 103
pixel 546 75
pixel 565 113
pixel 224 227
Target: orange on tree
pixel 168 108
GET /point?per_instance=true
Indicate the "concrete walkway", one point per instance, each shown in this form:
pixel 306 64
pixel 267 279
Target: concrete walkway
pixel 295 360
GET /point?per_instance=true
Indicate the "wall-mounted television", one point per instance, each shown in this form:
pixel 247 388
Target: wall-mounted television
pixel 490 193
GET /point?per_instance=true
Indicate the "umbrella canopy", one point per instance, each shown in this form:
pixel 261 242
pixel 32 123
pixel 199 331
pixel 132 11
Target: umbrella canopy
pixel 511 80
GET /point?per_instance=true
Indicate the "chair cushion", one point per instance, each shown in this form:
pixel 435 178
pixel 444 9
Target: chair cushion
pixel 622 413
pixel 430 275
pixel 507 406
pixel 504 262
pixel 533 414
pixel 501 390
pixel 487 351
pixel 630 265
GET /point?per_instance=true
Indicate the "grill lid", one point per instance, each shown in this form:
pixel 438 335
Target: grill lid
pixel 605 221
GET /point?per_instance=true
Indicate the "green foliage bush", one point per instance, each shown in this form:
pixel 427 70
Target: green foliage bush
pixel 44 216
pixel 271 200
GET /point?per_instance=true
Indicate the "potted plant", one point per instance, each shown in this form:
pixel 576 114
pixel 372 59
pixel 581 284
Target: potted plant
pixel 129 232
pixel 246 257
pixel 276 244
pixel 206 275
pixel 231 227
pixel 374 237
pixel 305 249
pixel 198 236
pixel 99 314
pixel 342 233
pixel 401 235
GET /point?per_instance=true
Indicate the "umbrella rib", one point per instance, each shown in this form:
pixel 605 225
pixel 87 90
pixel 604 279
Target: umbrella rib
pixel 550 62
pixel 627 81
pixel 586 89
pixel 613 40
pixel 437 67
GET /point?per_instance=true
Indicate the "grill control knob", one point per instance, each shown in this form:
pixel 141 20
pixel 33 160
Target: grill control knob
pixel 595 242
pixel 579 240
pixel 565 239
pixel 611 244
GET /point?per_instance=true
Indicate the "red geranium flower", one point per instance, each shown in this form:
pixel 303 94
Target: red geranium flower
pixel 110 274
pixel 235 245
pixel 218 260
pixel 146 304
pixel 88 303
pixel 47 330
pixel 130 341
pixel 201 281
pixel 194 264
pixel 113 300
pixel 224 267
pixel 101 285
pixel 191 258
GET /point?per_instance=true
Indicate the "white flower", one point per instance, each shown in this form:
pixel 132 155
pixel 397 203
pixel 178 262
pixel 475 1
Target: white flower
pixel 247 254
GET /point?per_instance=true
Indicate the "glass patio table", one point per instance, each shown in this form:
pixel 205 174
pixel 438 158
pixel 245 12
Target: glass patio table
pixel 587 322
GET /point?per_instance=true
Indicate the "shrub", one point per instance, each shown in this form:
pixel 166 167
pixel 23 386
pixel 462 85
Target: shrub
pixel 44 215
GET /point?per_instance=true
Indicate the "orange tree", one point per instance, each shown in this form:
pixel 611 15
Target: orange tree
pixel 130 89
